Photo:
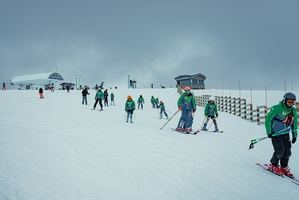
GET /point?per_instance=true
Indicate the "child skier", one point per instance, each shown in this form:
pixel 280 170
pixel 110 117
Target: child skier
pixel 282 119
pixel 162 110
pixel 41 93
pixel 129 108
pixel 98 98
pixel 140 102
pixel 187 105
pixel 153 101
pixel 112 99
pixel 211 113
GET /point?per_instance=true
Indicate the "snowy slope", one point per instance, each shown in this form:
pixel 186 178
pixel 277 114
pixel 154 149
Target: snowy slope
pixel 56 148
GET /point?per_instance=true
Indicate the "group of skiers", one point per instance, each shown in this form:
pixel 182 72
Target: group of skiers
pixel 281 120
pixel 187 105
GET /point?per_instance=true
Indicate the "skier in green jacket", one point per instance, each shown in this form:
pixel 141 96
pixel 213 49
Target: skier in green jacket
pixel 98 98
pixel 140 102
pixel 187 105
pixel 282 119
pixel 211 113
pixel 129 108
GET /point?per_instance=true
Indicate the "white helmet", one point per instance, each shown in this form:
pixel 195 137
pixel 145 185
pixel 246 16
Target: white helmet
pixel 212 98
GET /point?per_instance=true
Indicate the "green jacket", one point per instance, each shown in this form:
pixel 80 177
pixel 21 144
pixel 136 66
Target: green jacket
pixel 130 105
pixel 187 101
pixel 211 110
pixel 99 95
pixel 141 100
pixel 275 120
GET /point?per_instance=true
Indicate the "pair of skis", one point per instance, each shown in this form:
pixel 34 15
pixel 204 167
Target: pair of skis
pixel 195 132
pixel 267 168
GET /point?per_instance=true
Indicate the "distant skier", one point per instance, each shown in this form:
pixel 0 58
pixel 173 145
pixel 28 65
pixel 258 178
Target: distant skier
pixel 84 95
pixel 157 103
pixel 106 97
pixel 52 87
pixel 129 108
pixel 3 86
pixel 282 119
pixel 162 110
pixel 187 105
pixel 153 101
pixel 68 89
pixel 140 102
pixel 98 98
pixel 211 113
pixel 41 93
pixel 111 98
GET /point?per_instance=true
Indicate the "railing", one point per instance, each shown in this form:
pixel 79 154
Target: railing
pixel 238 107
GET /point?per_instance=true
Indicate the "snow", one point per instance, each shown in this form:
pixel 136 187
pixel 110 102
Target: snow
pixel 57 148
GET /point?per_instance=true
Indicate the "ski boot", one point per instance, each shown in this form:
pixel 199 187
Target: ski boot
pixel 216 129
pixel 275 169
pixel 204 128
pixel 287 172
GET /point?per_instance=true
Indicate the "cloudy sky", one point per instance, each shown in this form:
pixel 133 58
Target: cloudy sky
pixel 153 41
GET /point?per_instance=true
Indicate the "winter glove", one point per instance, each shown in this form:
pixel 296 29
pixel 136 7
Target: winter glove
pixel 294 140
pixel 269 135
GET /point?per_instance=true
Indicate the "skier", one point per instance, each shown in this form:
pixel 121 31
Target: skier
pixel 68 89
pixel 84 95
pixel 129 108
pixel 112 98
pixel 3 86
pixel 140 102
pixel 162 110
pixel 98 98
pixel 282 119
pixel 187 105
pixel 153 101
pixel 41 93
pixel 157 103
pixel 211 113
pixel 106 97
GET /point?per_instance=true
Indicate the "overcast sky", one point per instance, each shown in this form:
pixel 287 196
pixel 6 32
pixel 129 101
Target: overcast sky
pixel 153 41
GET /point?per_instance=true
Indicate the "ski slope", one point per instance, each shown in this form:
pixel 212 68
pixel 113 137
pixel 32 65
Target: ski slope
pixel 57 148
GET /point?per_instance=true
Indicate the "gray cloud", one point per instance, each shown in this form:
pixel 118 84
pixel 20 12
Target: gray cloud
pixel 255 42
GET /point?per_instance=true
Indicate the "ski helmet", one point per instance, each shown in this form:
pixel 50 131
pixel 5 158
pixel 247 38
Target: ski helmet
pixel 187 88
pixel 212 98
pixel 289 95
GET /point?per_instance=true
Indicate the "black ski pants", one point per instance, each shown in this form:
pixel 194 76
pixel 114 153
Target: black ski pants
pixel 282 150
pixel 100 102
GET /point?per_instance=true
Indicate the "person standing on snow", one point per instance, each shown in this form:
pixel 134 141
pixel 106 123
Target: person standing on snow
pixel 3 86
pixel 187 105
pixel 84 95
pixel 98 98
pixel 140 102
pixel 211 113
pixel 41 93
pixel 153 101
pixel 106 97
pixel 282 119
pixel 112 98
pixel 129 108
pixel 162 110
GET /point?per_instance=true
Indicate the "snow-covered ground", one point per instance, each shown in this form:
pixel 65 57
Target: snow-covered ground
pixel 57 149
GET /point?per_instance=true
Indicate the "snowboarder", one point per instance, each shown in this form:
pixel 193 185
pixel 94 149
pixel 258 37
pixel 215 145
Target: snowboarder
pixel 140 102
pixel 129 108
pixel 41 93
pixel 112 98
pixel 187 105
pixel 162 110
pixel 98 98
pixel 211 113
pixel 106 97
pixel 153 101
pixel 282 119
pixel 84 95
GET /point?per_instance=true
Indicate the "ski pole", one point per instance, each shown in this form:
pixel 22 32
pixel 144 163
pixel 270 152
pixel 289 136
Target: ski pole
pixel 254 141
pixel 171 118
pixel 202 124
